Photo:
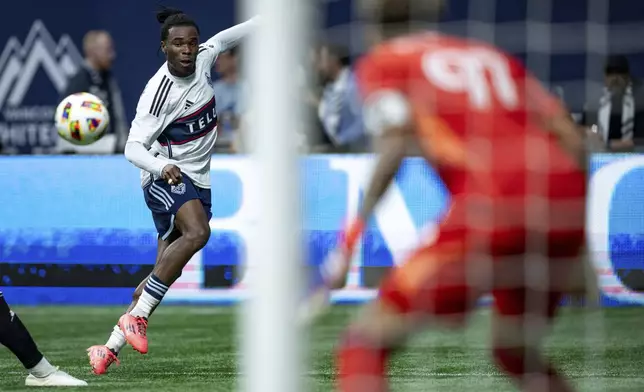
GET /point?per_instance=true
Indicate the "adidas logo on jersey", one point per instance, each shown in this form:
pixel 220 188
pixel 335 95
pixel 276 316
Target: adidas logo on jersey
pixel 189 103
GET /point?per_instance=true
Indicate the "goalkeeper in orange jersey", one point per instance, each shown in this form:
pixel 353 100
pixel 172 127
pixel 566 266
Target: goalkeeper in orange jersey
pixel 513 162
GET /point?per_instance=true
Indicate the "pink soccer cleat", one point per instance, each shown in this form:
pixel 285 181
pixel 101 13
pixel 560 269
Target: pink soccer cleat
pixel 100 358
pixel 135 331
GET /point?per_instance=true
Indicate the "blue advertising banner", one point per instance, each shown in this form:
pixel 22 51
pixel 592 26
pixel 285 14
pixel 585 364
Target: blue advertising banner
pixel 76 229
pixel 615 223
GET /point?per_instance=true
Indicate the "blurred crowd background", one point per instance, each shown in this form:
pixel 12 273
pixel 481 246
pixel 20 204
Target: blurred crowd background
pixel 589 52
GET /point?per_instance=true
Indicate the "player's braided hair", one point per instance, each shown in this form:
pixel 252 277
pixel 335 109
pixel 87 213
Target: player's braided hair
pixel 171 17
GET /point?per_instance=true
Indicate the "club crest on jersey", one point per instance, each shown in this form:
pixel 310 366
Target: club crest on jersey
pixel 178 189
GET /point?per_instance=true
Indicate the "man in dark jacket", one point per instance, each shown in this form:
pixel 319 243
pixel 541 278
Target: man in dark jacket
pixel 618 116
pixel 95 77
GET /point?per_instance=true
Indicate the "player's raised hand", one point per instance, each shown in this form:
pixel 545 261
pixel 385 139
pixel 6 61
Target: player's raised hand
pixel 335 268
pixel 333 271
pixel 172 174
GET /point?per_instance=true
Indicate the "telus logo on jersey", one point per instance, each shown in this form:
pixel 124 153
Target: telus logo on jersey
pixel 207 118
pixel 29 127
pixel 615 225
pixel 192 126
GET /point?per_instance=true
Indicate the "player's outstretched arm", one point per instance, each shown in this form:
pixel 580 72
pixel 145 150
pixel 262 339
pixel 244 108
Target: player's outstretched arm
pixel 389 118
pixel 387 115
pixel 149 122
pixel 393 151
pixel 139 156
pixel 229 38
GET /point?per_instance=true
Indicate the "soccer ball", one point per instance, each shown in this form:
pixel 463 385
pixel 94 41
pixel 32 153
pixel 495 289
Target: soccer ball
pixel 81 118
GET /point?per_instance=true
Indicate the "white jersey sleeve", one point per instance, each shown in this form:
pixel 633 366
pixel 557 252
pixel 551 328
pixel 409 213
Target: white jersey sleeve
pixel 227 39
pixel 152 117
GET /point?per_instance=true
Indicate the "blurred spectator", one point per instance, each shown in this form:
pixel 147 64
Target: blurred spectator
pixel 618 116
pixel 227 91
pixel 311 87
pixel 95 77
pixel 247 118
pixel 339 108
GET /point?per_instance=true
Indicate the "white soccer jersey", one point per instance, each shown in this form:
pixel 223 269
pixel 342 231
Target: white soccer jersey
pixel 176 118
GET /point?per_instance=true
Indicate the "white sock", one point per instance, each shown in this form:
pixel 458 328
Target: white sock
pixel 42 369
pixel 153 293
pixel 145 305
pixel 117 340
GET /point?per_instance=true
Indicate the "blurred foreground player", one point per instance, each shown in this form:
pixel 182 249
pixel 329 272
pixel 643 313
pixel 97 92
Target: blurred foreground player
pixel 512 160
pixel 171 140
pixel 15 336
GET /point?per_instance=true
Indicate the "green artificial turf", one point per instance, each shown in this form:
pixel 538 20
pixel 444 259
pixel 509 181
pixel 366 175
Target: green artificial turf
pixel 195 349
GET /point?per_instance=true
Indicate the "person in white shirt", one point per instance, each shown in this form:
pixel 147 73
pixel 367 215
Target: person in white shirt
pixel 171 139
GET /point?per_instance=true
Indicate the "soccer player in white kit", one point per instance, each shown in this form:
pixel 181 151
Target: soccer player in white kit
pixel 171 140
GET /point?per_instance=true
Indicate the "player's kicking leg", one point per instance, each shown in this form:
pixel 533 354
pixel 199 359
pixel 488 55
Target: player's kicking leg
pixel 15 336
pixel 523 312
pixel 429 288
pixel 517 335
pixel 438 285
pixel 181 214
pixel 101 357
pixel 192 222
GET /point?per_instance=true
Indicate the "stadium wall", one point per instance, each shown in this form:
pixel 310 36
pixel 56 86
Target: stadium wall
pixel 75 230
